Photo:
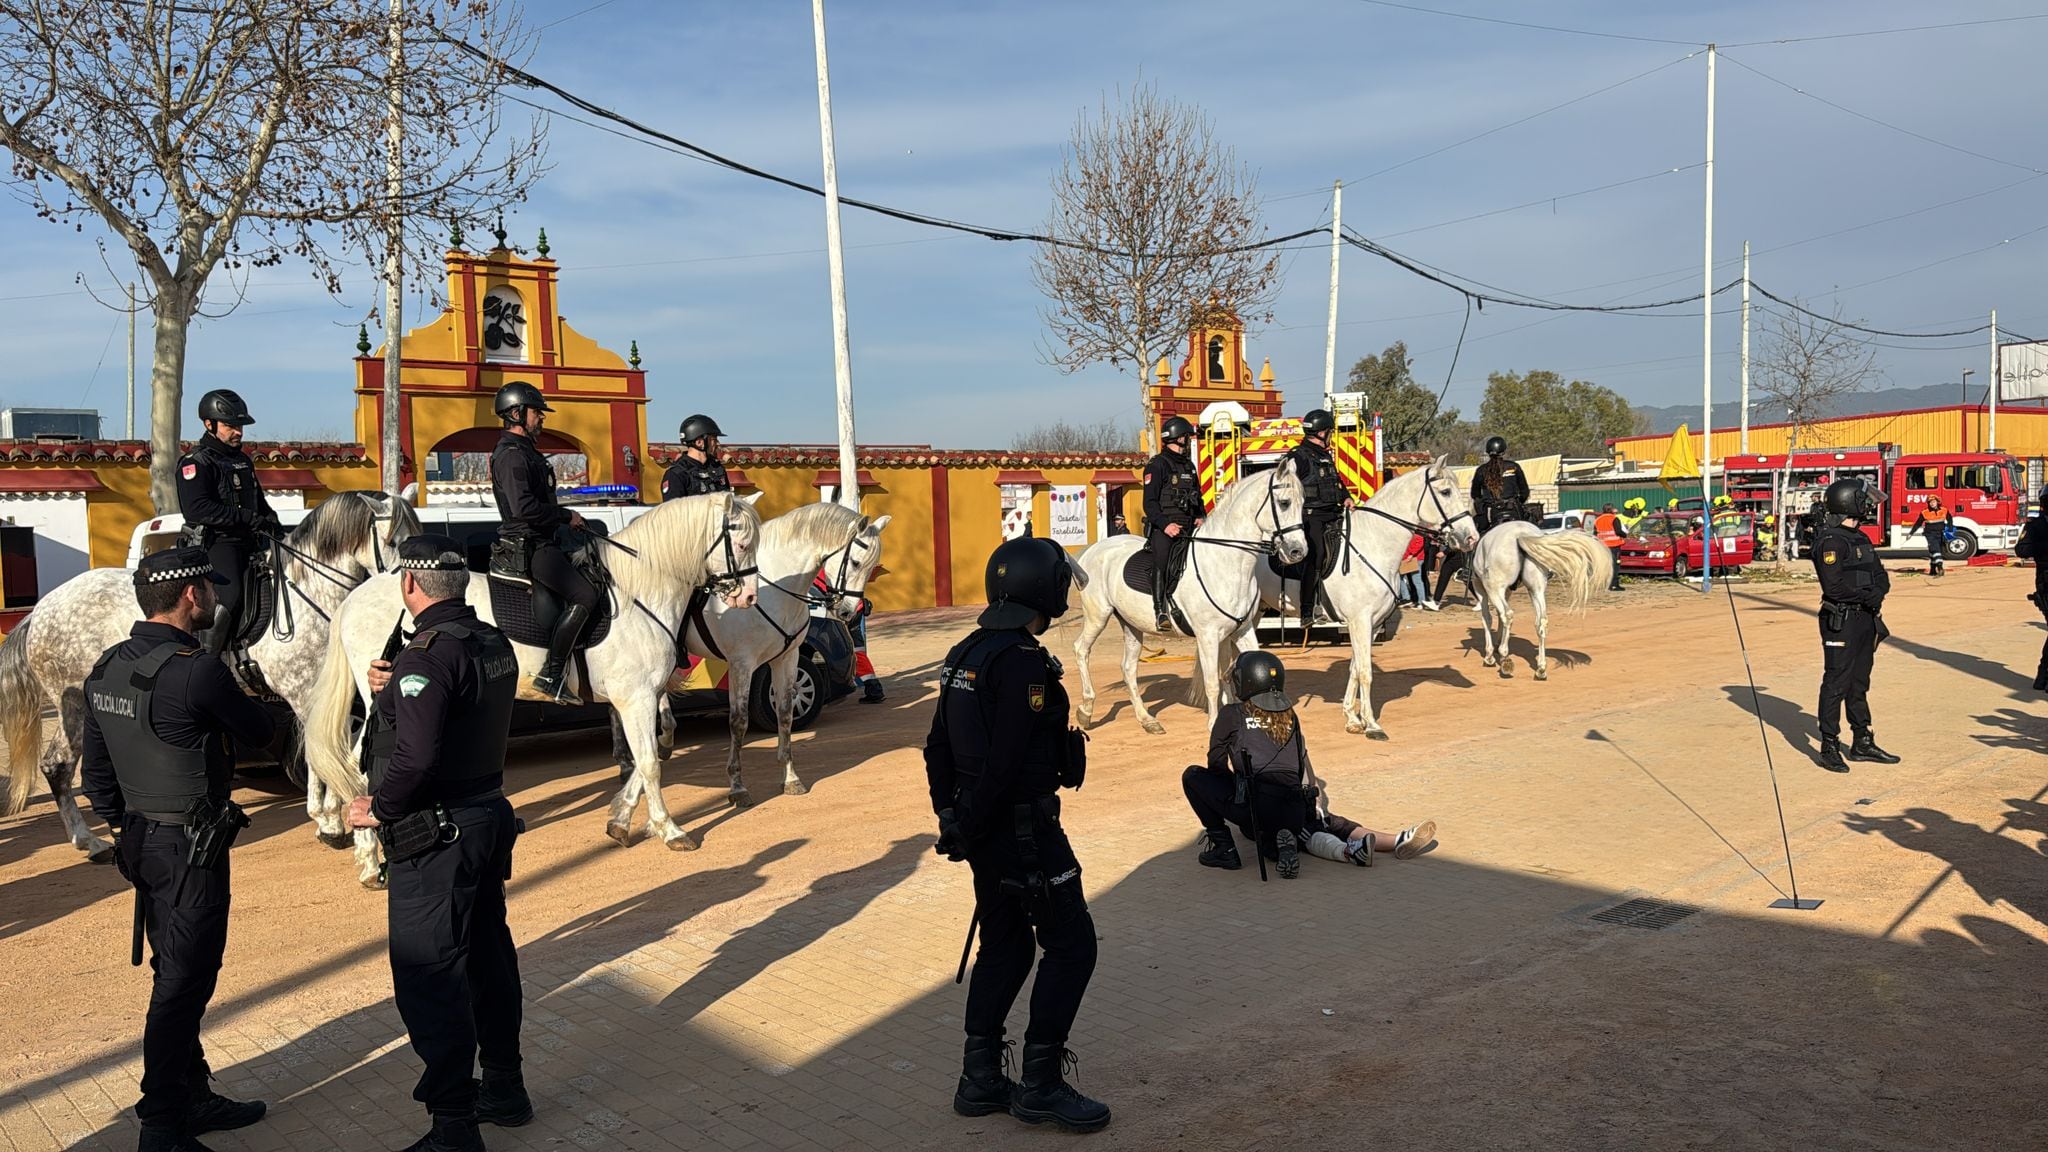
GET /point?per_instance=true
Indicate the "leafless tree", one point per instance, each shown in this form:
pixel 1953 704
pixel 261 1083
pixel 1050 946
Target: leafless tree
pixel 1807 364
pixel 1149 205
pixel 232 134
pixel 1060 436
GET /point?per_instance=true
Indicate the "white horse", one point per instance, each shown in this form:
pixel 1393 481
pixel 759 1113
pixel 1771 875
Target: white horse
pixel 46 659
pixel 1361 588
pixel 1521 553
pixel 657 562
pixel 794 547
pixel 1217 592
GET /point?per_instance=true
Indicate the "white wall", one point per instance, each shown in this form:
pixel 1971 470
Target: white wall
pixel 63 545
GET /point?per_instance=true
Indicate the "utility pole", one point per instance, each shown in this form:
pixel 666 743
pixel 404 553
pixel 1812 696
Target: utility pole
pixel 1336 249
pixel 130 433
pixel 1745 347
pixel 391 451
pixel 1707 348
pixel 835 261
pixel 1991 434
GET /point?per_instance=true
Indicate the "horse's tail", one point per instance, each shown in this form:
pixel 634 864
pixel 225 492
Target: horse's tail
pixel 1575 560
pixel 329 734
pixel 21 719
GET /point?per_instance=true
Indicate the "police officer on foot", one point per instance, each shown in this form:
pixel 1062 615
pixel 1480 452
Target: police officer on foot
pixel 1323 502
pixel 444 708
pixel 2033 545
pixel 697 472
pixel 1499 489
pixel 1173 509
pixel 1853 585
pixel 223 505
pixel 998 752
pixel 161 717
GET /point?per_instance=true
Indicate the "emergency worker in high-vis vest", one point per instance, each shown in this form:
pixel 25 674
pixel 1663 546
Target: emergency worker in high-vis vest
pixel 1607 527
pixel 162 719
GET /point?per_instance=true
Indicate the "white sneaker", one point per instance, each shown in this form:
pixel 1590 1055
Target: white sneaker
pixel 1410 843
pixel 1431 606
pixel 1361 850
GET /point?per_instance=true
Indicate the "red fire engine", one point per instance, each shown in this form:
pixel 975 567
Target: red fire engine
pixel 1985 492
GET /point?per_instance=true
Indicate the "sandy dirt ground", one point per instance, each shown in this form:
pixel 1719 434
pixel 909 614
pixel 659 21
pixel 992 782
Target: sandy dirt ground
pixel 789 985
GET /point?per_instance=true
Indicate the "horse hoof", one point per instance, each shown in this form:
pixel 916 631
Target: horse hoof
pixel 1154 727
pixel 620 834
pixel 1376 734
pixel 101 855
pixel 681 842
pixel 342 840
pixel 373 884
pixel 1507 673
pixel 1543 673
pixel 796 788
pixel 1354 727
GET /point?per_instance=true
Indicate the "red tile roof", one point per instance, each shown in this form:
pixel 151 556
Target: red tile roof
pixel 904 456
pixel 137 452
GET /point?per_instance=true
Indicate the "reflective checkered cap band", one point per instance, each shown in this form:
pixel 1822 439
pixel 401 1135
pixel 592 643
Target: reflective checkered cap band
pixel 431 552
pixel 169 574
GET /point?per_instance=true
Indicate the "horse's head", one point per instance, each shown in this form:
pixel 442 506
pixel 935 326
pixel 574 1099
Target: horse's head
pixel 730 559
pixel 849 568
pixel 1444 506
pixel 356 532
pixel 1280 515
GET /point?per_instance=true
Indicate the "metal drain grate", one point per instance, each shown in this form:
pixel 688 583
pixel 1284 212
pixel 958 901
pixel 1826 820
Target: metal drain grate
pixel 1648 913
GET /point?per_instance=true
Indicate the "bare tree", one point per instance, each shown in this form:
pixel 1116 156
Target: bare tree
pixel 1060 436
pixel 1148 206
pixel 1807 364
pixel 237 133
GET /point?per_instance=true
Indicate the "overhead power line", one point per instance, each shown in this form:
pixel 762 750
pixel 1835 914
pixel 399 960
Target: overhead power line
pixel 1887 31
pixel 1525 24
pixel 1540 200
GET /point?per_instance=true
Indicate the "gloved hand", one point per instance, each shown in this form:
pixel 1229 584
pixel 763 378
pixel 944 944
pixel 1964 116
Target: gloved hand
pixel 952 841
pixel 1883 633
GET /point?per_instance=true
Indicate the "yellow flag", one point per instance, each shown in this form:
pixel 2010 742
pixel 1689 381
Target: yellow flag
pixel 1679 462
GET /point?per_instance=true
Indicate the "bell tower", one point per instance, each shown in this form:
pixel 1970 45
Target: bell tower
pixel 1213 370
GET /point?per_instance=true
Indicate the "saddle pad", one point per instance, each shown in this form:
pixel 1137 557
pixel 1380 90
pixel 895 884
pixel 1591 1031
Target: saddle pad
pixel 512 608
pixel 1333 549
pixel 1138 572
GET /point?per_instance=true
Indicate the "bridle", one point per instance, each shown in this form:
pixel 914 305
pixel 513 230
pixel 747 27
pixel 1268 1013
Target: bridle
pixel 1268 546
pixel 838 586
pixel 283 626
pixel 1433 534
pixel 723 584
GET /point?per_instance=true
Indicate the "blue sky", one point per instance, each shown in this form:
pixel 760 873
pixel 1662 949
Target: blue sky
pixel 961 110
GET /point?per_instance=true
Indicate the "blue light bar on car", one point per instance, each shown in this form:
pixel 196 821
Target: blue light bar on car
pixel 603 490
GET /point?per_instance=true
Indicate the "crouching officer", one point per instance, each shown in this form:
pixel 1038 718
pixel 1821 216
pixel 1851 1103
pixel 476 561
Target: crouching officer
pixel 436 773
pixel 998 752
pixel 160 712
pixel 1853 585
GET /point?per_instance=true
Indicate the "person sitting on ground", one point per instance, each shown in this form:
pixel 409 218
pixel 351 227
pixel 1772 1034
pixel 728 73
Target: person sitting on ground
pixel 1256 769
pixel 1324 833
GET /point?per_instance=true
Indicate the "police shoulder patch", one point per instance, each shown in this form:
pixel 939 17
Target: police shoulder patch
pixel 1037 693
pixel 189 471
pixel 411 685
pixel 1827 557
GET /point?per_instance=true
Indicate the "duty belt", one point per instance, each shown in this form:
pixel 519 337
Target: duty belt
pixel 1843 606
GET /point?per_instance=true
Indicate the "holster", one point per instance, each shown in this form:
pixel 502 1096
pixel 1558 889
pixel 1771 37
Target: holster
pixel 512 556
pixel 1073 748
pixel 1835 617
pixel 210 831
pixel 1031 886
pixel 417 833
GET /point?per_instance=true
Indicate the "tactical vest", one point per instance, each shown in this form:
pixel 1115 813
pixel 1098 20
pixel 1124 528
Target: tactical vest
pixel 1493 481
pixel 1322 490
pixel 538 477
pixel 1182 495
pixel 234 484
pixel 970 714
pixel 158 780
pixel 475 731
pixel 1269 761
pixel 705 476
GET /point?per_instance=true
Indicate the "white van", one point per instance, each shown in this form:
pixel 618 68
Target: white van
pixel 461 521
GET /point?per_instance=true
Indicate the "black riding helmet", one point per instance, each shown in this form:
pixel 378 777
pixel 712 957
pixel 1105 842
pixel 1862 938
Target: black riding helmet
pixel 699 426
pixel 1176 428
pixel 1318 420
pixel 515 396
pixel 1027 578
pixel 1844 497
pixel 225 407
pixel 1496 446
pixel 1259 679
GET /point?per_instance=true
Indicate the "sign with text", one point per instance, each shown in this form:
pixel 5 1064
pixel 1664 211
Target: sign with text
pixel 2023 371
pixel 1070 515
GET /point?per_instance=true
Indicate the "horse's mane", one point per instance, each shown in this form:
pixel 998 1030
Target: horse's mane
pixel 671 539
pixel 823 526
pixel 345 521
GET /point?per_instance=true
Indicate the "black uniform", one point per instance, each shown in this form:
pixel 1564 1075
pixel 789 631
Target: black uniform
pixel 691 477
pixel 1275 769
pixel 2033 545
pixel 455 975
pixel 159 717
pixel 1322 507
pixel 223 506
pixel 994 756
pixel 1173 495
pixel 1499 489
pixel 1853 585
pixel 524 486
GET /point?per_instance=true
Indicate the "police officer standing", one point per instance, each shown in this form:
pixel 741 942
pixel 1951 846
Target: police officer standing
pixel 158 762
pixel 1173 509
pixel 1499 490
pixel 1853 585
pixel 223 505
pixel 444 708
pixel 2033 545
pixel 524 486
pixel 697 472
pixel 998 752
pixel 1323 502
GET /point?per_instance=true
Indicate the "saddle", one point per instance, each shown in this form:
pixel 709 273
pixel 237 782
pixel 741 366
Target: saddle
pixel 526 611
pixel 260 590
pixel 1139 577
pixel 1332 551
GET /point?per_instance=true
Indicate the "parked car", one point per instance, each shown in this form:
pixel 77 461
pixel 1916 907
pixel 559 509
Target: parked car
pixel 1675 543
pixel 1580 519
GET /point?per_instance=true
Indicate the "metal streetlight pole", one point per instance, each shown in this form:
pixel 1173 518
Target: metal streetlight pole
pixel 1962 443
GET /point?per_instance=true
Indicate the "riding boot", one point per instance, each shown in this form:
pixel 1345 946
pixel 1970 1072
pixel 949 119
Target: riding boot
pixel 1044 1093
pixel 1220 851
pixel 1831 755
pixel 984 1088
pixel 1162 600
pixel 551 678
pixel 1864 747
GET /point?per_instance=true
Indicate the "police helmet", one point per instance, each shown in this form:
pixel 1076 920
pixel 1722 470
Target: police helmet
pixel 1259 679
pixel 514 397
pixel 1318 420
pixel 1496 446
pixel 225 407
pixel 1845 497
pixel 1175 428
pixel 1027 578
pixel 698 426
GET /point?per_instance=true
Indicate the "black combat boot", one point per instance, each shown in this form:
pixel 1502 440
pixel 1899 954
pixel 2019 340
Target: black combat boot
pixel 212 1112
pixel 2041 678
pixel 1221 851
pixel 1288 853
pixel 450 1134
pixel 1044 1095
pixel 984 1088
pixel 501 1099
pixel 549 681
pixel 169 1140
pixel 1831 755
pixel 1864 747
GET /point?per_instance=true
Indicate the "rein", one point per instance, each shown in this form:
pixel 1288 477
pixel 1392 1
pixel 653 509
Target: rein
pixel 1256 547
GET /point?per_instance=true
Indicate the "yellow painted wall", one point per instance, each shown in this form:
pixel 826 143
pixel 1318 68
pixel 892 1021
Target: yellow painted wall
pixel 2021 431
pixel 112 514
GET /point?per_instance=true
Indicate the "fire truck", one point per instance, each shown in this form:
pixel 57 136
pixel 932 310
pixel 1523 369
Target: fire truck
pixel 1984 492
pixel 1228 446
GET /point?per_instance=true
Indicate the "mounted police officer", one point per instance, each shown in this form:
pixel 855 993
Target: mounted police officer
pixel 998 752
pixel 1173 509
pixel 162 715
pixel 697 472
pixel 1853 585
pixel 524 485
pixel 223 505
pixel 1324 499
pixel 437 760
pixel 1499 489
pixel 2033 545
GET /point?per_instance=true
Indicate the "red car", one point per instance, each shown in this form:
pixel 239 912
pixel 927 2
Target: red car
pixel 1671 543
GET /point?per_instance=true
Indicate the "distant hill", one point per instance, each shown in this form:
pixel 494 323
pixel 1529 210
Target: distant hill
pixel 1729 414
